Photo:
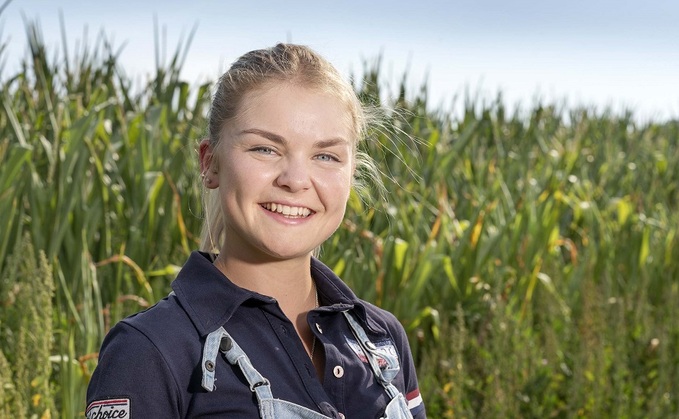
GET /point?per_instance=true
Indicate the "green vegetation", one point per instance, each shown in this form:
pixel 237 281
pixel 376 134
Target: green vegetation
pixel 533 257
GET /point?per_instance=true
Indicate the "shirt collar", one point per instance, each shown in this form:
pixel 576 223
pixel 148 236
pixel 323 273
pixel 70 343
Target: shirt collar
pixel 210 299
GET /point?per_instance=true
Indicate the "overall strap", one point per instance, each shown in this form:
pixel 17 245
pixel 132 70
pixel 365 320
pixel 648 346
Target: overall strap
pixel 220 340
pixel 383 375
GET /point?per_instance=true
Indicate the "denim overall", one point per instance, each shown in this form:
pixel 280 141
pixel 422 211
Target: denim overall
pixel 270 408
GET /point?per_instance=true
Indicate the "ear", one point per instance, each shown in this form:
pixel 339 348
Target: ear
pixel 208 166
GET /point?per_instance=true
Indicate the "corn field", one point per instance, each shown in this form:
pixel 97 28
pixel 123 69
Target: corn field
pixel 532 255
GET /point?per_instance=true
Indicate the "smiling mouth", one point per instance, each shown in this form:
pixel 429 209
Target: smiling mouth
pixel 287 211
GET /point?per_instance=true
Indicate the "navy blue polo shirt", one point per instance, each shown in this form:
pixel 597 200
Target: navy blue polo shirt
pixel 150 363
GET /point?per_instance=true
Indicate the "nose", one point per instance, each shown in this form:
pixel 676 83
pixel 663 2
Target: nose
pixel 294 176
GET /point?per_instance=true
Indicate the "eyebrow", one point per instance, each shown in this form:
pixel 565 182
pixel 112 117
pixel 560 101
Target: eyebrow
pixel 266 134
pixel 330 142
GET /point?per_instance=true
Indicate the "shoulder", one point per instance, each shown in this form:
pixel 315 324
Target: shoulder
pixel 379 318
pixel 165 317
pixel 134 374
pixel 148 360
pixel 166 327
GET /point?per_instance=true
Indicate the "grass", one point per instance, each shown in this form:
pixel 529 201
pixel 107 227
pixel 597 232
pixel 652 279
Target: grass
pixel 533 258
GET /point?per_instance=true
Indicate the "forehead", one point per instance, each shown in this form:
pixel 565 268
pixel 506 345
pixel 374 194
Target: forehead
pixel 291 105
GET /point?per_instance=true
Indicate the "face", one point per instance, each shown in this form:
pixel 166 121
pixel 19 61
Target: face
pixel 284 169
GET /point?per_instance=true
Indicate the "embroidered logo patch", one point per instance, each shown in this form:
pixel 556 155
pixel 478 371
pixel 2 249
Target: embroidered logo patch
pixel 386 347
pixel 108 409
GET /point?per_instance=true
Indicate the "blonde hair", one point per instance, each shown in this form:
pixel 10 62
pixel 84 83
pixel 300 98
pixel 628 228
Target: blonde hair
pixel 283 63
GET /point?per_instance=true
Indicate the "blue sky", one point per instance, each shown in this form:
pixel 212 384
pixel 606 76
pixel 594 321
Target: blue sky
pixel 618 54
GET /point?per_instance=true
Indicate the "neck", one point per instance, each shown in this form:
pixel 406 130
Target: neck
pixel 283 280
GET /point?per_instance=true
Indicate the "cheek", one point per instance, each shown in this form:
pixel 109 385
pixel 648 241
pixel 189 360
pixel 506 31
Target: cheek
pixel 239 172
pixel 338 186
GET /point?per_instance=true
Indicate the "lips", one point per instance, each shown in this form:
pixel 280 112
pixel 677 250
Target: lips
pixel 287 211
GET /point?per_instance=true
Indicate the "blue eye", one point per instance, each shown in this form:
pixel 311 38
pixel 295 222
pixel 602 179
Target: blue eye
pixel 327 157
pixel 263 150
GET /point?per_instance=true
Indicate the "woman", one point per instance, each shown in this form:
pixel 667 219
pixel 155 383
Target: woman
pixel 255 325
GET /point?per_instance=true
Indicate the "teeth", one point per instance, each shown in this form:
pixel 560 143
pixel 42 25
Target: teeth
pixel 287 210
